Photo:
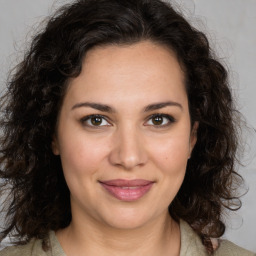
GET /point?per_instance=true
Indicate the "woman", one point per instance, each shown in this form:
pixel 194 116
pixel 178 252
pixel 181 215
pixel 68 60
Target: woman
pixel 119 136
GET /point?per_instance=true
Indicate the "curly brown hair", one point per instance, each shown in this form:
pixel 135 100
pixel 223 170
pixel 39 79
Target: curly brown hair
pixel 32 174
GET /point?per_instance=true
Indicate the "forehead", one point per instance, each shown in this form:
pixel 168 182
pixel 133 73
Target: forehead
pixel 144 69
pixel 135 56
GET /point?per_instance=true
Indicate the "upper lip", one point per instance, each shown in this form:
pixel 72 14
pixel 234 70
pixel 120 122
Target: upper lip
pixel 127 183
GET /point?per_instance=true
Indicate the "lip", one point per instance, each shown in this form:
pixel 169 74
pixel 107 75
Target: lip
pixel 127 190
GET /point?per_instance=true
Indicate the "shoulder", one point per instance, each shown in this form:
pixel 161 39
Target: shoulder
pixel 25 250
pixel 33 247
pixel 227 248
pixel 191 245
pixel 16 250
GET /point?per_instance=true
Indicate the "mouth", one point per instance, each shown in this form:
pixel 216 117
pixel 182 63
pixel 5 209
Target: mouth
pixel 127 190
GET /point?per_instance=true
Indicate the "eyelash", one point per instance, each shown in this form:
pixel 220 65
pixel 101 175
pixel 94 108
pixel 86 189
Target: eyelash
pixel 170 120
pixel 85 119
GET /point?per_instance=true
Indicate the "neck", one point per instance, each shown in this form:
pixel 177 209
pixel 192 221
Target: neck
pixel 159 237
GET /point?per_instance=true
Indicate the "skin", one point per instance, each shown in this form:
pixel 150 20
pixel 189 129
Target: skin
pixel 126 145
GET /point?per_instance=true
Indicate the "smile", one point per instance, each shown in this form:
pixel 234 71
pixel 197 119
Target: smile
pixel 127 190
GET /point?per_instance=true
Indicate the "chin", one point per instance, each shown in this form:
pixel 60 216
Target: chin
pixel 128 219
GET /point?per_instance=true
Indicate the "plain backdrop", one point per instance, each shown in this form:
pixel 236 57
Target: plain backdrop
pixel 231 28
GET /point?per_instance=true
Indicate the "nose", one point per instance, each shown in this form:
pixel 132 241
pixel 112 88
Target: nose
pixel 128 149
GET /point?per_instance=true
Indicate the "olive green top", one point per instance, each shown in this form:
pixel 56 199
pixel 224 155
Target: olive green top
pixel 191 245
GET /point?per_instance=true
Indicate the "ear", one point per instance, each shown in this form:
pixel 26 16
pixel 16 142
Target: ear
pixel 55 146
pixel 193 137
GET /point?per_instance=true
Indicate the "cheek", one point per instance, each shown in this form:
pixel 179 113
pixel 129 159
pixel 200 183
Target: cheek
pixel 82 156
pixel 171 156
pixel 173 148
pixel 170 159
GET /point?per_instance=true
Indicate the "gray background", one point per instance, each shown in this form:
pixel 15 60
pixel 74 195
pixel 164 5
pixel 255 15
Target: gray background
pixel 231 28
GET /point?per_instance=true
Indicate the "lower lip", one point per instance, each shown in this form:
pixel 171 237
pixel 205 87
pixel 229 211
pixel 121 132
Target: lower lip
pixel 127 194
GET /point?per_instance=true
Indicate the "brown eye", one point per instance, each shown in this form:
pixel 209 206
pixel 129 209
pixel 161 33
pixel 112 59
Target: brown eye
pixel 160 120
pixel 157 120
pixel 96 121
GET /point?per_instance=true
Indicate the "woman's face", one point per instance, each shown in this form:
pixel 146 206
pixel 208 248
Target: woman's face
pixel 124 135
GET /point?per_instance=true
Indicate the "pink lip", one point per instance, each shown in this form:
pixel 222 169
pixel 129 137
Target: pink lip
pixel 127 190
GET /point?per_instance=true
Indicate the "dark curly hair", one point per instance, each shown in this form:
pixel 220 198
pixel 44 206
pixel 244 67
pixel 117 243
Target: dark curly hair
pixel 38 199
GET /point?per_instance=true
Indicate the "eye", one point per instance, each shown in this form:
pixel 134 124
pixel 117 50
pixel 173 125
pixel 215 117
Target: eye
pixel 95 121
pixel 160 120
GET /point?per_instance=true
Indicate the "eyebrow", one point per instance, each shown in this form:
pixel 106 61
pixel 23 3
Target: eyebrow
pixel 98 106
pixel 108 109
pixel 160 105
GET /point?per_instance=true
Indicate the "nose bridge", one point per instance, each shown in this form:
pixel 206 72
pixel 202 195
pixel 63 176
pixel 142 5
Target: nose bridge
pixel 128 150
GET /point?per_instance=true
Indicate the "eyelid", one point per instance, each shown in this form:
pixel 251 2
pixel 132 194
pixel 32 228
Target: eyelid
pixel 170 118
pixel 86 118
